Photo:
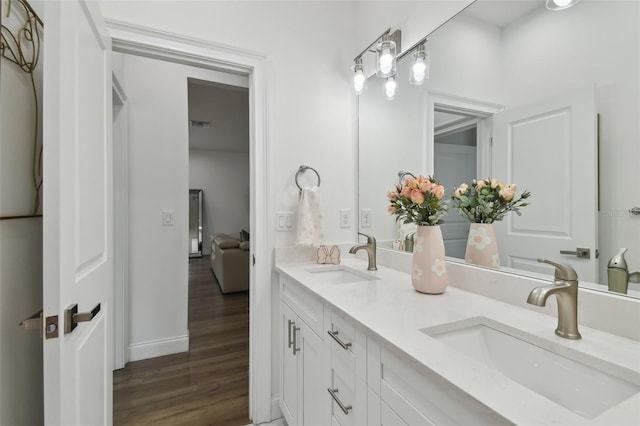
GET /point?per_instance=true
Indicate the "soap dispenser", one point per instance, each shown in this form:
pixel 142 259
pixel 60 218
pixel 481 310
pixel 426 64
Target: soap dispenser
pixel 618 273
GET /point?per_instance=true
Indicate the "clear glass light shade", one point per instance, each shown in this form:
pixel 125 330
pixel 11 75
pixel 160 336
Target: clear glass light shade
pixel 359 77
pixel 560 4
pixel 419 70
pixel 390 88
pixel 386 58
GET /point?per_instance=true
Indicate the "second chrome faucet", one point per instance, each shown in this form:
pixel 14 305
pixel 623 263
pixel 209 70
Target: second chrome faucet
pixel 565 287
pixel 370 247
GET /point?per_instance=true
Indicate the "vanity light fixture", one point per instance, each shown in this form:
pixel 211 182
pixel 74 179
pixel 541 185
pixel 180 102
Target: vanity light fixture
pixel 385 48
pixel 390 88
pixel 560 4
pixel 359 76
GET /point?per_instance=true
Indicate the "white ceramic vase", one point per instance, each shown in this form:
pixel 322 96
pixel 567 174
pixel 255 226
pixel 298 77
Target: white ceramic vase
pixel 482 247
pixel 428 267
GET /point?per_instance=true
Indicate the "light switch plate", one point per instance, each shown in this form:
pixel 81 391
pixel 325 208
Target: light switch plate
pixel 345 218
pixel 365 218
pixel 284 221
pixel 167 217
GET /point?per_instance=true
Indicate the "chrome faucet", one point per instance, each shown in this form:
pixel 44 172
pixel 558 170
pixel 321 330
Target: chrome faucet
pixel 565 287
pixel 370 247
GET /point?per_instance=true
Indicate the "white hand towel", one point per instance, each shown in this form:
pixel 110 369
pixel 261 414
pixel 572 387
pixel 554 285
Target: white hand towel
pixel 309 230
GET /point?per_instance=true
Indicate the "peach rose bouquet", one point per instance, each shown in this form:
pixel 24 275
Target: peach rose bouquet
pixel 487 200
pixel 418 201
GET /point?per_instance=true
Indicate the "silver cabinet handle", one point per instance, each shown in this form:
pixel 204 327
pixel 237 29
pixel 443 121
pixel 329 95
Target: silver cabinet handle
pixel 583 253
pixel 334 334
pixel 289 336
pixel 344 409
pixel 72 317
pixel 635 211
pixel 295 339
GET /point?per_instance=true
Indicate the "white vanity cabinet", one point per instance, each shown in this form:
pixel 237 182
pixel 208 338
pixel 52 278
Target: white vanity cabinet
pixel 304 377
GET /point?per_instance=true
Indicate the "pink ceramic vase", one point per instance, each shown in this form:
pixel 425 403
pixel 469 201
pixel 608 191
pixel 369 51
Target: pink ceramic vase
pixel 482 247
pixel 428 267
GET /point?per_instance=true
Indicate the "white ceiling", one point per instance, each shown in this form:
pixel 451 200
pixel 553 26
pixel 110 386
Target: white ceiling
pixel 495 12
pixel 226 108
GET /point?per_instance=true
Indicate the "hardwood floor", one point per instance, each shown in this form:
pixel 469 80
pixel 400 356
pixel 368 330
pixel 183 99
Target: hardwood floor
pixel 208 385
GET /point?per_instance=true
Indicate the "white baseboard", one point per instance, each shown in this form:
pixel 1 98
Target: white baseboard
pixel 276 412
pixel 160 347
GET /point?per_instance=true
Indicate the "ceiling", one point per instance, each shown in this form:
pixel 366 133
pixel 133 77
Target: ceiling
pixel 226 110
pixel 495 13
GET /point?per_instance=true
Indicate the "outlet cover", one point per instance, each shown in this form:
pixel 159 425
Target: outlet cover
pixel 345 218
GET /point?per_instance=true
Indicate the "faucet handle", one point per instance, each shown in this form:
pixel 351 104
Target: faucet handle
pixel 563 272
pixel 370 238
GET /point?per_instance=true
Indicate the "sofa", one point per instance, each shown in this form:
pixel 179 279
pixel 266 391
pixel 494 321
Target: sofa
pixel 230 262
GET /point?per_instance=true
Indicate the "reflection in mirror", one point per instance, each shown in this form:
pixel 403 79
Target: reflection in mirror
pixel 548 100
pixel 195 223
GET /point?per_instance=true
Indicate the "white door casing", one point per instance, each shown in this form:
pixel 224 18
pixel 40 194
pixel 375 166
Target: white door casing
pixel 136 40
pixel 78 220
pixel 549 147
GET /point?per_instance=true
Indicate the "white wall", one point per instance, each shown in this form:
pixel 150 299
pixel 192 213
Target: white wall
pixel 20 246
pixel 224 178
pixel 311 113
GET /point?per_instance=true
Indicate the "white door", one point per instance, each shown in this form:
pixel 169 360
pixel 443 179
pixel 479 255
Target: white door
pixel 549 148
pixel 78 221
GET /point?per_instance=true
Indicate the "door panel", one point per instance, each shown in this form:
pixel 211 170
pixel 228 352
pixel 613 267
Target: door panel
pixel 78 220
pixel 549 148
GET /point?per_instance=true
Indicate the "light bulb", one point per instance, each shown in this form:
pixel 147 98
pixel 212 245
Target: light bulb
pixel 561 3
pixel 359 77
pixel 358 82
pixel 419 71
pixel 386 58
pixel 386 62
pixel 390 87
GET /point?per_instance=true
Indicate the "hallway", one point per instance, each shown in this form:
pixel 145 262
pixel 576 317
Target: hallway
pixel 206 386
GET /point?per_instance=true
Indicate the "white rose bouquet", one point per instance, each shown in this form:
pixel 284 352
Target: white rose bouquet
pixel 487 200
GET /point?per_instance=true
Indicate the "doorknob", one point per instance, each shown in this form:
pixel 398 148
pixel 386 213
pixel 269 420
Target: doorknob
pixel 34 322
pixel 72 317
pixel 583 253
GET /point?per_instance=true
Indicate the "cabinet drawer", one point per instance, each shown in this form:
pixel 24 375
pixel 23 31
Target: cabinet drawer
pixel 308 307
pixel 355 398
pixel 422 397
pixel 348 348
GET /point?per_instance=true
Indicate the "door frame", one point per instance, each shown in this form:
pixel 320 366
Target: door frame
pixel 121 226
pixel 481 109
pixel 152 43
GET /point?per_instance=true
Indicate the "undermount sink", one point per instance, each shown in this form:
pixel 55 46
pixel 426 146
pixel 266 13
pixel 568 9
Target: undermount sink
pixel 340 274
pixel 585 385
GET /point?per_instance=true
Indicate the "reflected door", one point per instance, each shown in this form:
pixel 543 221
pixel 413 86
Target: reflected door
pixel 549 148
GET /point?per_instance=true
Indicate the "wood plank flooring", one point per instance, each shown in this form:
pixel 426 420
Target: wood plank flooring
pixel 208 385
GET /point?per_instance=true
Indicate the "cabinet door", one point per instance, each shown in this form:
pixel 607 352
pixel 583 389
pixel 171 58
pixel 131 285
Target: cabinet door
pixel 289 390
pixel 316 379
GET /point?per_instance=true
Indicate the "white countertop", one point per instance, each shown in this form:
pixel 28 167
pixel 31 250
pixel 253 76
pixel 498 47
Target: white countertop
pixel 391 310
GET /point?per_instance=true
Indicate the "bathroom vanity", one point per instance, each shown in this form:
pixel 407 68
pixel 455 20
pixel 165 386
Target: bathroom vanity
pixel 361 347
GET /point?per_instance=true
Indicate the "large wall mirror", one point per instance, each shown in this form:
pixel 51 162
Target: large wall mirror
pixel 503 76
pixel 195 223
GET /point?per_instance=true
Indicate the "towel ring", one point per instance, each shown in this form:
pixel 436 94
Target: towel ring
pixel 303 169
pixel 402 175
